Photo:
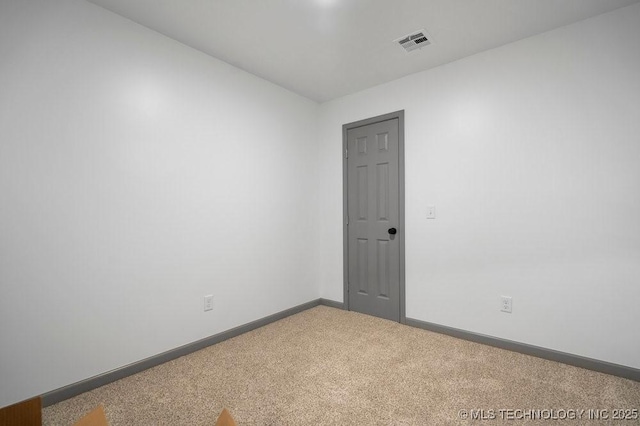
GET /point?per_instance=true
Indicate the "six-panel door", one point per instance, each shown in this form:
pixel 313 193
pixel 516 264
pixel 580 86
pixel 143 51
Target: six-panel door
pixel 374 254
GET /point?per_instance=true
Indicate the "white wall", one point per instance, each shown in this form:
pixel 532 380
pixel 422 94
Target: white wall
pixel 531 154
pixel 136 176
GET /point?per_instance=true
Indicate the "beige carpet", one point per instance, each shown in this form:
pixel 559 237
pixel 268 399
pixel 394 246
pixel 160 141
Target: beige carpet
pixel 326 366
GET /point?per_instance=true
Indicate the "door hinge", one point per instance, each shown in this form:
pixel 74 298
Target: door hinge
pixel 347 220
pixel 346 153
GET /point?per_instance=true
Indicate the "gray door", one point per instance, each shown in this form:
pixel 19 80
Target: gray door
pixel 373 219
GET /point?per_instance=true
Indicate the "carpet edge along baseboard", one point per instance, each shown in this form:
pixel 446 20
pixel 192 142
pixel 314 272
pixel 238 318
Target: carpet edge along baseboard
pixel 537 351
pixel 77 388
pixel 82 386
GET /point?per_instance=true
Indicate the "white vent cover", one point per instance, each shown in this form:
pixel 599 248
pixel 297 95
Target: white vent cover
pixel 416 40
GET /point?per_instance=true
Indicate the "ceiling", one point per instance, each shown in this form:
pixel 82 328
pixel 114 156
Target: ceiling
pixel 324 49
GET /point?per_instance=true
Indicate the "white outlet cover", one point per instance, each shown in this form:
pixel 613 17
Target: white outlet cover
pixel 506 304
pixel 208 302
pixel 431 212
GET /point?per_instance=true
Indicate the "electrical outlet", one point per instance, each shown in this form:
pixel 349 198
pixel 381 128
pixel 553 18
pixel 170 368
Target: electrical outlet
pixel 506 304
pixel 208 302
pixel 431 212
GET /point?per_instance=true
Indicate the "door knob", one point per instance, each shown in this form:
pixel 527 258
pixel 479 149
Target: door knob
pixel 392 231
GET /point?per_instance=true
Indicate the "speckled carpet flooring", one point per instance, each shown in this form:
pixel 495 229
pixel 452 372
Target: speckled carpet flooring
pixel 326 366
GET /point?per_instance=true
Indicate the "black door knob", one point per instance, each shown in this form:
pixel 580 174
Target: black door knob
pixel 392 231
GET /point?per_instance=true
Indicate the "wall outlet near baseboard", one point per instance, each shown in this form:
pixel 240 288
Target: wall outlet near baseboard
pixel 506 304
pixel 208 302
pixel 431 212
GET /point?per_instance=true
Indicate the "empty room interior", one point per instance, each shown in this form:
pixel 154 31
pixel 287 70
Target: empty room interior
pixel 320 212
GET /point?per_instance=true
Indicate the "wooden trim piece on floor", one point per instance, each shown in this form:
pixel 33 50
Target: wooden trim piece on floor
pixel 25 413
pixel 537 351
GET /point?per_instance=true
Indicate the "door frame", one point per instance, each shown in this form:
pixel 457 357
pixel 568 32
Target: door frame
pixel 345 203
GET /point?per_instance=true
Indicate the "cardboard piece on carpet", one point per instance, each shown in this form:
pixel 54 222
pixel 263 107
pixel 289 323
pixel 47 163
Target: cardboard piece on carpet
pixel 225 419
pixel 94 418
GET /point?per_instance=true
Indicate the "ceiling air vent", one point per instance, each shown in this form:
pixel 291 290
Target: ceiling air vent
pixel 416 40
